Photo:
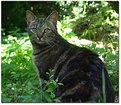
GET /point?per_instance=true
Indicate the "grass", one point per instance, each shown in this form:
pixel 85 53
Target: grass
pixel 103 87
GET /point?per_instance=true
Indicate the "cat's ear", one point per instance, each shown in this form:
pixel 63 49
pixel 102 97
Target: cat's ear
pixel 53 17
pixel 29 16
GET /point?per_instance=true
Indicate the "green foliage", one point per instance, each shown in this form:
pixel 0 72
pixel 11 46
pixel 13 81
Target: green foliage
pixel 49 88
pixel 19 78
pixel 18 75
pixel 93 20
pixel 83 22
pixel 71 8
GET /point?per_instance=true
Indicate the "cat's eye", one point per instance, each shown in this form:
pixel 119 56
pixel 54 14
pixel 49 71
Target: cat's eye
pixel 33 29
pixel 46 30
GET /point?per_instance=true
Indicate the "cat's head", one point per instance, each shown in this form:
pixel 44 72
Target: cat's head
pixel 41 30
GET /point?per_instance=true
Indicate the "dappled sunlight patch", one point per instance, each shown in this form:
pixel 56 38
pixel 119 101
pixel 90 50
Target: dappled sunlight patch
pixel 85 42
pixel 75 40
pixel 67 30
pixel 101 57
pixel 100 45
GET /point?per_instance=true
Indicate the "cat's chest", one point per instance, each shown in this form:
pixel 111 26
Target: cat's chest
pixel 47 58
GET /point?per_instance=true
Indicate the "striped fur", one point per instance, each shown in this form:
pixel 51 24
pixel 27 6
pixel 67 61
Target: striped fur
pixel 79 69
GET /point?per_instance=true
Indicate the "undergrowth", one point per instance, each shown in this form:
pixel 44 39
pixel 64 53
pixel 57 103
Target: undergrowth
pixel 20 83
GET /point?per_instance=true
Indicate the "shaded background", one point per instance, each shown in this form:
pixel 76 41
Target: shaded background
pixel 13 12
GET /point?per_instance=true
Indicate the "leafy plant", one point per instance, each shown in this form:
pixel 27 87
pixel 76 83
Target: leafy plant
pixel 19 81
pixel 49 88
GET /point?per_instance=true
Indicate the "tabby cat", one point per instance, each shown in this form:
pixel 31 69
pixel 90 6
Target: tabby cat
pixel 77 68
